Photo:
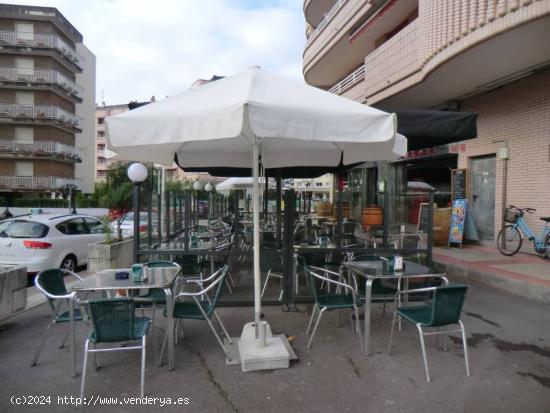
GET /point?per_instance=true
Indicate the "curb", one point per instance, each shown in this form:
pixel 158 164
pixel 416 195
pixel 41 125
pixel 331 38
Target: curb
pixel 495 280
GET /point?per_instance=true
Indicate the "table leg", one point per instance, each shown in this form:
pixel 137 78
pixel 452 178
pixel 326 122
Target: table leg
pixel 73 338
pixel 170 327
pixel 368 295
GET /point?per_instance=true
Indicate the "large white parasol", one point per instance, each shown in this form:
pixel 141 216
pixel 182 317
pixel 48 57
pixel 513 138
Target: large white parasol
pixel 255 116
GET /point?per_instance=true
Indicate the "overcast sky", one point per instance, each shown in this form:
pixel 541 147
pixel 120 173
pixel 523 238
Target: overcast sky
pixel 160 47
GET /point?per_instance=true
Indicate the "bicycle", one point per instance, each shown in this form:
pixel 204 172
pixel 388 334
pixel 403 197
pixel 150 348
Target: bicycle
pixel 511 236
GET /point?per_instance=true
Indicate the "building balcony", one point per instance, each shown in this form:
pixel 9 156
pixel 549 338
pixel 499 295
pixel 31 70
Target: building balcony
pixel 325 20
pixel 40 149
pixel 41 77
pixel 348 33
pixel 46 183
pixel 458 49
pixel 39 113
pixel 352 86
pixel 395 60
pixel 41 41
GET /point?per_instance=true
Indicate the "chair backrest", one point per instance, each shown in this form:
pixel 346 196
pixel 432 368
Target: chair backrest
pixel 270 260
pixel 314 283
pixel 113 319
pixel 51 283
pixel 314 258
pixel 447 304
pixel 161 264
pixel 217 285
pixel 349 227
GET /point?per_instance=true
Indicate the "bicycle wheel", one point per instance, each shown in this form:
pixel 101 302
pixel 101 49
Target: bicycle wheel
pixel 509 240
pixel 546 252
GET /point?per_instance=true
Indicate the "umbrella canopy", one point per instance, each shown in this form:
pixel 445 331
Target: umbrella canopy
pixel 235 183
pixel 251 116
pixel 238 183
pixel 295 124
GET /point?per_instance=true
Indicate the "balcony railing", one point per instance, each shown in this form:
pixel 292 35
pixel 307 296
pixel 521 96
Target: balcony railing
pixel 40 148
pixel 53 77
pixel 40 112
pixel 40 41
pixel 328 17
pixel 37 182
pixel 349 81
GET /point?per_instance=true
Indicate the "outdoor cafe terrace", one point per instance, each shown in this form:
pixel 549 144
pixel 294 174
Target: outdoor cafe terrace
pixel 506 343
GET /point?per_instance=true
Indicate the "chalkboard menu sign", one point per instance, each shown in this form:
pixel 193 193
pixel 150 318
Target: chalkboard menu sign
pixel 423 218
pixel 458 183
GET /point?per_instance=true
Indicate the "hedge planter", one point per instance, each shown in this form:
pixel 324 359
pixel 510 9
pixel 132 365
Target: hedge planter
pixel 13 289
pixel 102 255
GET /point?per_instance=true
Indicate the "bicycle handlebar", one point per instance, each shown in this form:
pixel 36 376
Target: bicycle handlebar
pixel 522 209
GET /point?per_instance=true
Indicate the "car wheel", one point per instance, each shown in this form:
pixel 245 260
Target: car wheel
pixel 69 263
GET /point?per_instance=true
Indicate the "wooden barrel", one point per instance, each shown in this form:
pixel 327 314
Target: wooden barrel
pixel 324 209
pixel 345 210
pixel 372 215
pixel 442 221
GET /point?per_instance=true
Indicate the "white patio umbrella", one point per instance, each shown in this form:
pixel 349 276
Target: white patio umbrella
pixel 251 116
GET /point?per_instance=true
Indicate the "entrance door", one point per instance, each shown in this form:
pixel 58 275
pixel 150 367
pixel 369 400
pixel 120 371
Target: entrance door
pixel 483 195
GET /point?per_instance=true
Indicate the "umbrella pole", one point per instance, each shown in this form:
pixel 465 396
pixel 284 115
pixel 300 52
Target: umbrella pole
pixel 256 220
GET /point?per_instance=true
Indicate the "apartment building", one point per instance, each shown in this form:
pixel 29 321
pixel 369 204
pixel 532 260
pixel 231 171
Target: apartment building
pixel 104 160
pixel 318 189
pixel 47 95
pixel 491 57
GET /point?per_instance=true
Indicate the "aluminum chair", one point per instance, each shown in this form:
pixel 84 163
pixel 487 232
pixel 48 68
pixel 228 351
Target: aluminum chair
pixel 114 321
pixel 444 310
pixel 52 284
pixel 156 296
pixel 201 309
pixel 330 302
pixel 270 262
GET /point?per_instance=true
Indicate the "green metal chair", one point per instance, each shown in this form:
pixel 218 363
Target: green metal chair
pixel 114 321
pixel 444 310
pixel 52 284
pixel 381 293
pixel 156 296
pixel 271 264
pixel 332 301
pixel 203 307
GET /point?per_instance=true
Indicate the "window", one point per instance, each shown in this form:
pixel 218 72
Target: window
pixel 23 134
pixel 24 98
pixel 23 229
pixel 74 226
pixel 101 147
pixel 95 226
pixel 100 133
pixel 24 169
pixel 25 32
pixel 100 121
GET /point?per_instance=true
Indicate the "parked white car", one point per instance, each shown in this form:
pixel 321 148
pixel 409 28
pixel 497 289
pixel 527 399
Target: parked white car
pixel 127 224
pixel 44 241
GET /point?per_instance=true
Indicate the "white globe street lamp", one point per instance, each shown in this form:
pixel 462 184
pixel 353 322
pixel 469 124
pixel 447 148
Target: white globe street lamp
pixel 197 186
pixel 137 172
pixel 208 187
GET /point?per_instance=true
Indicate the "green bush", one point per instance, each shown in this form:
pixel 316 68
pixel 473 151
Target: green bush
pixel 40 203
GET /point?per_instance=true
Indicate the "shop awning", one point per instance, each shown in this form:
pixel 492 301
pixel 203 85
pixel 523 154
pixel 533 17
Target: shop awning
pixel 428 128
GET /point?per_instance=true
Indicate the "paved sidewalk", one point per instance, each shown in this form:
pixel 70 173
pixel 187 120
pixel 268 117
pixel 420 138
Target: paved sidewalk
pixel 524 274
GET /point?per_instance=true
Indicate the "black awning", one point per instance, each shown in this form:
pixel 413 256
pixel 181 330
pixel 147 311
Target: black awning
pixel 427 128
pixel 288 172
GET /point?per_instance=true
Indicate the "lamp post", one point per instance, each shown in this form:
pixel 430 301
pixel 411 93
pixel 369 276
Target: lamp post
pixel 197 186
pixel 208 188
pixel 137 172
